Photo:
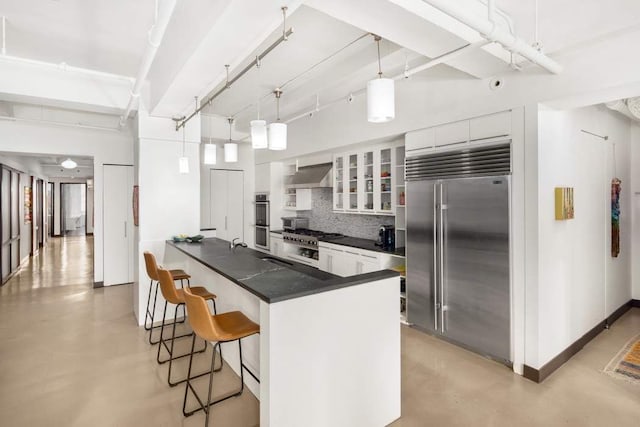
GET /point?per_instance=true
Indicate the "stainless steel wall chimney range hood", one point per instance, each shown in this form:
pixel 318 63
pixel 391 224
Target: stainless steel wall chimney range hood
pixel 315 176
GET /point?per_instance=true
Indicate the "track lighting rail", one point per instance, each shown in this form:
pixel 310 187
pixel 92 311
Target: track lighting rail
pixel 230 82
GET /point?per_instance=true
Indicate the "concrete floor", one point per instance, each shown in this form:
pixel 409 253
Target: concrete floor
pixel 73 356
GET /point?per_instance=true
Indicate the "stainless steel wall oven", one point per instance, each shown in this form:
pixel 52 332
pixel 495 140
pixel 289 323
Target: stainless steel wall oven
pixel 262 221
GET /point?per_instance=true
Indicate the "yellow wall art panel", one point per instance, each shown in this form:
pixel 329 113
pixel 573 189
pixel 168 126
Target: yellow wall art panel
pixel 564 203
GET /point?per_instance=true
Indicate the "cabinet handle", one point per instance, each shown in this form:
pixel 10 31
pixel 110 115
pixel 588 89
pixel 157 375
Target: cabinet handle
pixel 359 267
pixel 369 256
pixel 125 229
pixel 352 253
pixel 330 263
pixel 225 222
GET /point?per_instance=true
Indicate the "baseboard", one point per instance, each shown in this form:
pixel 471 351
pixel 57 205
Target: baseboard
pixel 98 285
pixel 539 375
pixel 88 234
pixel 635 302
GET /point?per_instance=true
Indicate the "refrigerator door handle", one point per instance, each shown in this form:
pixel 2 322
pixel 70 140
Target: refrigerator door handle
pixel 441 229
pixel 436 304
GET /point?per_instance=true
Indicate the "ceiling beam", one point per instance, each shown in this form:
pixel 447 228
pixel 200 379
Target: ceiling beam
pixel 424 30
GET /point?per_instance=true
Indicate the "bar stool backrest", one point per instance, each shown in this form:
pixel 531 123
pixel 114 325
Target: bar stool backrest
pixel 200 317
pixel 151 265
pixel 168 287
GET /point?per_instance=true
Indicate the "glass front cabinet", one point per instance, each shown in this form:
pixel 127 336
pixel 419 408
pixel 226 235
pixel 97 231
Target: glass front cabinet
pixel 365 181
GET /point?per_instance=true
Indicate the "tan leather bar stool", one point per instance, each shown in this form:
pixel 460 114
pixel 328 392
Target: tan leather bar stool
pixel 176 297
pixel 218 328
pixel 152 271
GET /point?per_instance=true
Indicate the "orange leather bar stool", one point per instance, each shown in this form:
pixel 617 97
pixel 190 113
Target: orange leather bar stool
pixel 152 271
pixel 176 297
pixel 218 328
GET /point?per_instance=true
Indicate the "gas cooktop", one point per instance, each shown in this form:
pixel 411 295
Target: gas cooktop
pixel 308 237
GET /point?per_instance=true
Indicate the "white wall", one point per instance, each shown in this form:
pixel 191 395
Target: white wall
pixel 579 284
pixel 103 146
pixel 169 201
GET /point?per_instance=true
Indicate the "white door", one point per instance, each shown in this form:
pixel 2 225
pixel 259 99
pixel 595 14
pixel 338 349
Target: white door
pixel 118 224
pixel 235 210
pixel 218 203
pixel 226 203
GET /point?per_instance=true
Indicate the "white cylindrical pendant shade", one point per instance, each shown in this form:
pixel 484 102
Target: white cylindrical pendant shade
pixel 259 134
pixel 210 157
pixel 230 152
pixel 277 136
pixel 381 106
pixel 184 165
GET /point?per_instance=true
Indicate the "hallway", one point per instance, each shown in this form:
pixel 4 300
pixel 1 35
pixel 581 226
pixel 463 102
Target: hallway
pixel 71 355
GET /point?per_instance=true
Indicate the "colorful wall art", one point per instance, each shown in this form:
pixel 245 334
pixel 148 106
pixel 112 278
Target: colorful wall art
pixel 615 216
pixel 564 203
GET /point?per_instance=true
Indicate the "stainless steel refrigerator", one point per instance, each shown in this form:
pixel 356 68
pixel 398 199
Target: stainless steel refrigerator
pixel 458 279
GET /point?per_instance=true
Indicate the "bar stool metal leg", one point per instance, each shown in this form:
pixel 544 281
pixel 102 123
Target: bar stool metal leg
pixel 206 407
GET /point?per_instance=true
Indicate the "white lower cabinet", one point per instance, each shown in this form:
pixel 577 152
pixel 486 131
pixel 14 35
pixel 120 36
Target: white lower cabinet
pixel 275 245
pixel 347 261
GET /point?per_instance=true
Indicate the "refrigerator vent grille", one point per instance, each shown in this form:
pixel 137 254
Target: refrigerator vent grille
pixel 494 160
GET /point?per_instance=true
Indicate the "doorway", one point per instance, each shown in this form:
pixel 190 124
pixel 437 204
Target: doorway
pixel 49 205
pixel 73 209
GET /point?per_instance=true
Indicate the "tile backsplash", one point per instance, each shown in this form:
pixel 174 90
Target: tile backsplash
pixel 321 217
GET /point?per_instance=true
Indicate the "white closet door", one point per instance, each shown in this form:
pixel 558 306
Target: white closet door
pixel 118 224
pixel 218 202
pixel 235 212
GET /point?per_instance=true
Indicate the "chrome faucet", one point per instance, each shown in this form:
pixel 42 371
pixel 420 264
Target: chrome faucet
pixel 233 243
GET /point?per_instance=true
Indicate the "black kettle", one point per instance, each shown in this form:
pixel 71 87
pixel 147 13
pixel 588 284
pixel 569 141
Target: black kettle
pixel 386 237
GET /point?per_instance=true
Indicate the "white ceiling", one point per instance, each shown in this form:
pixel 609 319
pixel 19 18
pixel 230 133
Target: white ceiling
pixel 110 36
pixel 49 164
pixel 103 35
pixel 567 24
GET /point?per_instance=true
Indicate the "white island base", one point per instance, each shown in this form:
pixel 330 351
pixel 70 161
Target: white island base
pixel 326 359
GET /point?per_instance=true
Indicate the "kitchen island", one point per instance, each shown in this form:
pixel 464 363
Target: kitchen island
pixel 328 352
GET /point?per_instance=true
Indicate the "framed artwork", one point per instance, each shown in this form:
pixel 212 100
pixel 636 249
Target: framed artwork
pixel 136 196
pixel 564 203
pixel 28 203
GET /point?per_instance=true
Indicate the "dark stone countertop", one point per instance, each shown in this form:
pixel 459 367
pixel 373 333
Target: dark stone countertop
pixel 271 280
pixel 366 244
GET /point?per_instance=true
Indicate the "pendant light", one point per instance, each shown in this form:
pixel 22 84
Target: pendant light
pixel 278 130
pixel 380 95
pixel 259 127
pixel 230 148
pixel 210 149
pixel 183 162
pixel 68 164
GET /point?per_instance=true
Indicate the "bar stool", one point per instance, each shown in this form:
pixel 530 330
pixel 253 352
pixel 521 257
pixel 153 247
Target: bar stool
pixel 176 297
pixel 152 271
pixel 218 328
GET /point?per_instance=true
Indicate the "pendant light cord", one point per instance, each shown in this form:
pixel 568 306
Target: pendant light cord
pixel 377 39
pixel 183 140
pixel 210 128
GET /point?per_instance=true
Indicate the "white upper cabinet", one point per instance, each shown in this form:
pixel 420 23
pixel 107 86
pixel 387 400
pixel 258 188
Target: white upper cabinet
pixel 366 182
pixel 460 133
pixel 452 133
pixel 491 126
pixel 423 138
